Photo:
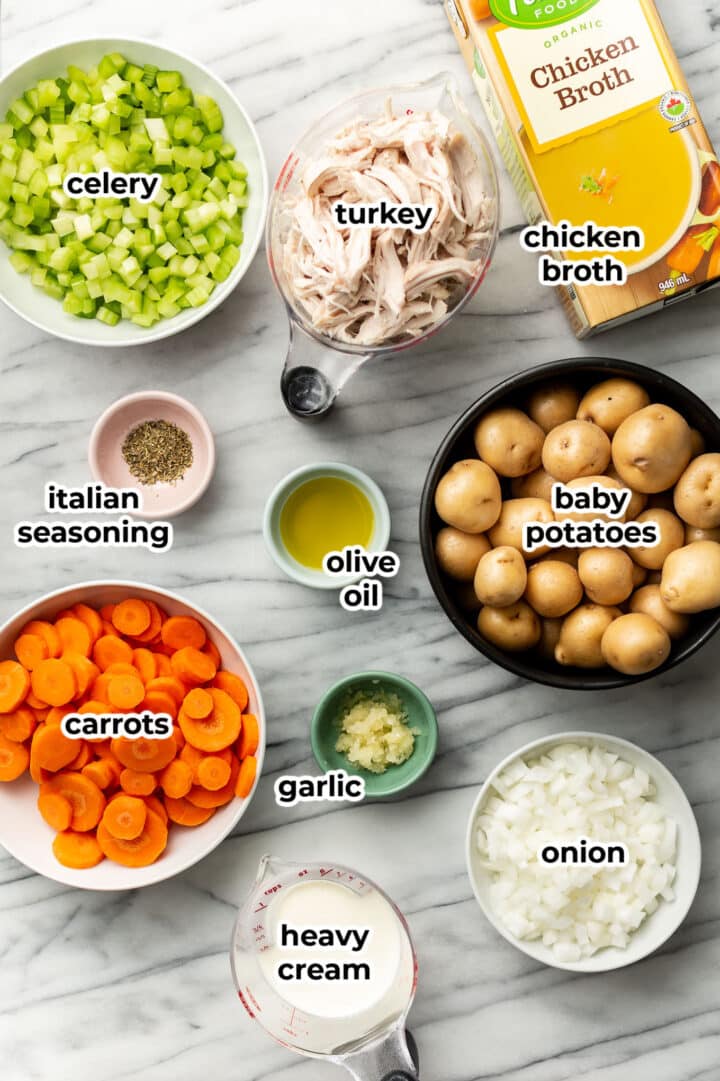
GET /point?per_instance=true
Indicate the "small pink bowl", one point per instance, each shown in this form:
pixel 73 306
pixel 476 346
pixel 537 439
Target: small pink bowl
pixel 109 467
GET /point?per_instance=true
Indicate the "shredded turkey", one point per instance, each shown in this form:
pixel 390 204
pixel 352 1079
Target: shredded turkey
pixel 375 284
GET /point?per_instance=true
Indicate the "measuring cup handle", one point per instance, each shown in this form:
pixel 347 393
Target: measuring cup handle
pixel 314 374
pixel 392 1058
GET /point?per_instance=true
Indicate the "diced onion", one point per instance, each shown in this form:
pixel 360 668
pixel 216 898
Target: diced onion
pixel 570 793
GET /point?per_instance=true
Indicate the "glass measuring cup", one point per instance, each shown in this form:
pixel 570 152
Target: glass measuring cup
pixel 317 366
pixel 372 1045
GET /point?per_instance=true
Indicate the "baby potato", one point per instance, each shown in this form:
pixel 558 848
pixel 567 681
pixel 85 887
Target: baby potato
pixel 590 516
pixel 514 629
pixel 469 497
pixel 501 577
pixel 562 555
pixel 515 514
pixel 609 403
pixel 635 644
pixel 652 448
pixel 639 575
pixel 581 636
pixel 692 533
pixel 648 600
pixel 576 449
pixel 639 500
pixel 509 442
pixel 697 442
pixel 697 495
pixel 606 574
pixel 553 588
pixel 553 404
pixel 549 638
pixel 537 485
pixel 672 536
pixel 691 578
pixel 458 553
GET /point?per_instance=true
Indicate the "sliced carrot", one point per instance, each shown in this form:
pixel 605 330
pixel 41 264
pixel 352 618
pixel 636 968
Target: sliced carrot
pixel 109 650
pixel 219 730
pixel 34 702
pixel 145 755
pixel 152 632
pixel 144 661
pixel 86 672
pixel 121 668
pixel 86 799
pixel 203 797
pixel 18 725
pixel 108 631
pixel 234 686
pixel 53 681
pixel 66 613
pixel 52 750
pixel 169 685
pixel 213 773
pixel 246 777
pixel 78 850
pixel 131 617
pixel 47 632
pixel 158 702
pixel 14 685
pixel 249 737
pixel 140 851
pixel 99 689
pixel 30 649
pixel 181 631
pixel 56 810
pixel 125 817
pixel 125 692
pixel 184 813
pixel 74 635
pixel 164 668
pixel 14 759
pixel 198 704
pixel 91 619
pixel 192 666
pixel 176 779
pixel 213 653
pixel 136 783
pixel 83 757
pixel 102 772
pixel 106 612
pixel 156 805
pixel 56 715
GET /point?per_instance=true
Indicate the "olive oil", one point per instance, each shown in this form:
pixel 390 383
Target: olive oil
pixel 325 515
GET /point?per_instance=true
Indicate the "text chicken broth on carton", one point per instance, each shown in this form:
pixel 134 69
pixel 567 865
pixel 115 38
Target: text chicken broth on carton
pixel 595 122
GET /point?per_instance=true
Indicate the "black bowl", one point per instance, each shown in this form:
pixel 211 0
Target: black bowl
pixel 458 444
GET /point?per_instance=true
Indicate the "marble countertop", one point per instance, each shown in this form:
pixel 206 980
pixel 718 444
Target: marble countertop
pixel 137 987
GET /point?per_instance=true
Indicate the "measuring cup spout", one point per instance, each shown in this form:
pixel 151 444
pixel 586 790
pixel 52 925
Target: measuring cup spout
pixel 386 1059
pixel 314 374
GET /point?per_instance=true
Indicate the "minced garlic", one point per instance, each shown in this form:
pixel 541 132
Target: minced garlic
pixel 375 733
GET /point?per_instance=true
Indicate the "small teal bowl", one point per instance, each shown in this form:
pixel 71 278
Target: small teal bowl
pixel 308 576
pixel 325 729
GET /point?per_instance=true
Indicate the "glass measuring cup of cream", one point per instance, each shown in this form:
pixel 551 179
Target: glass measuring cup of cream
pixel 356 293
pixel 323 960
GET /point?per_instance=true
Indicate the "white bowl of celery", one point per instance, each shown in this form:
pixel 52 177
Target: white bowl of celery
pixel 118 271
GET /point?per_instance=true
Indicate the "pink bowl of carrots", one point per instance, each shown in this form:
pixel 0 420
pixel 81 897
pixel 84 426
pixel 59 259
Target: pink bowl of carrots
pixel 120 813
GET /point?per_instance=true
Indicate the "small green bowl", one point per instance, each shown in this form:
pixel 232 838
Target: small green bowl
pixel 324 732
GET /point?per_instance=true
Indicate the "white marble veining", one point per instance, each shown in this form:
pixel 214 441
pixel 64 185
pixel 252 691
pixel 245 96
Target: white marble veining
pixel 137 987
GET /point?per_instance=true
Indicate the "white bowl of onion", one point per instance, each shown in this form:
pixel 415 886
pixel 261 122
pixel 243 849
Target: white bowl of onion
pixel 583 919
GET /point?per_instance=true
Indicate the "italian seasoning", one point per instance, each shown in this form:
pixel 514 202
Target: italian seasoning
pixel 157 451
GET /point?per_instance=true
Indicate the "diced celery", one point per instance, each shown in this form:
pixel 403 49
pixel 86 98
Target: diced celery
pixel 109 258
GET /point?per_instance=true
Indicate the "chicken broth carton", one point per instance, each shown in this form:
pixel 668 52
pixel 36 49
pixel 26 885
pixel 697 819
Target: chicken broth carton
pixel 596 124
